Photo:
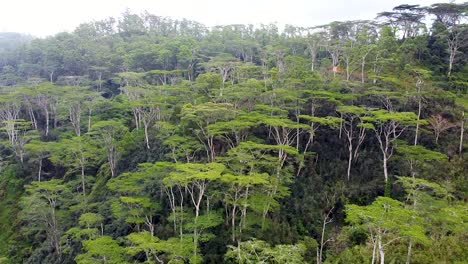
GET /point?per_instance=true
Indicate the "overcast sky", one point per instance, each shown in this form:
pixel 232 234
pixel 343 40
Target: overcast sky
pixel 47 17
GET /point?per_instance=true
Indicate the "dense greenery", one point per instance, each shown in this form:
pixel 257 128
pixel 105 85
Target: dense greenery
pixel 151 140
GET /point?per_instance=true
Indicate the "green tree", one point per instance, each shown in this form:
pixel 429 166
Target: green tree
pixel 39 151
pixel 108 133
pixel 101 250
pixel 41 208
pixel 198 117
pixel 258 251
pixel 354 129
pixel 386 221
pixel 195 178
pixel 76 154
pixel 388 126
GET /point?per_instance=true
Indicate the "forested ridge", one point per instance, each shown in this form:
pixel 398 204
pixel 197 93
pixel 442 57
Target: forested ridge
pixel 144 139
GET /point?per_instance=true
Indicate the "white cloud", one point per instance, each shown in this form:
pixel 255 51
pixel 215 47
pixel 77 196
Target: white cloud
pixel 47 17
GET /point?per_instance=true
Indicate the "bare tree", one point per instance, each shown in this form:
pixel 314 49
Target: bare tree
pixel 439 124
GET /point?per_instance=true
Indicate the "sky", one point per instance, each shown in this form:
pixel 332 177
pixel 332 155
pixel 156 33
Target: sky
pixel 47 17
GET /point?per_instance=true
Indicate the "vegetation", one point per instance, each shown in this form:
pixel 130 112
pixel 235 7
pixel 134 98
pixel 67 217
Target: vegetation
pixel 150 140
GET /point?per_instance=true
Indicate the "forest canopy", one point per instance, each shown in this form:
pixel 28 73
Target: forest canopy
pixel 145 139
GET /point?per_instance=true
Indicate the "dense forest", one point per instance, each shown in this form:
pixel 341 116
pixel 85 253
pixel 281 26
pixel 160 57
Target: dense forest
pixel 144 139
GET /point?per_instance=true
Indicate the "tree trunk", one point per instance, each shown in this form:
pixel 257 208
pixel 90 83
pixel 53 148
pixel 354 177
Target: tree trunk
pixel 417 124
pixel 350 158
pixel 51 76
pixel 233 222
pixel 348 72
pixel 47 121
pixel 462 130
pixel 385 169
pixel 408 257
pixel 451 60
pixel 100 81
pixel 341 126
pixel 363 65
pixel 326 220
pixel 39 173
pixel 135 117
pixel 83 185
pixel 373 250
pixel 381 250
pixel 244 211
pixel 211 148
pixel 145 123
pixel 322 236
pixel 89 119
pixel 32 116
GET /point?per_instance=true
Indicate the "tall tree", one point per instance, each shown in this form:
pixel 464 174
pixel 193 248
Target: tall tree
pixel 451 16
pixel 386 221
pixel 355 131
pixel 108 133
pixel 388 126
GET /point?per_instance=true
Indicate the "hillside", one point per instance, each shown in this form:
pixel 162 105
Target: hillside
pixel 143 139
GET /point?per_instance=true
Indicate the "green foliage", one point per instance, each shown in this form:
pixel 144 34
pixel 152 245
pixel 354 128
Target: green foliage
pixel 163 141
pixel 419 153
pixel 90 220
pixel 102 249
pixel 386 219
pixel 331 121
pixel 11 191
pixel 383 116
pixel 258 251
pixel 187 173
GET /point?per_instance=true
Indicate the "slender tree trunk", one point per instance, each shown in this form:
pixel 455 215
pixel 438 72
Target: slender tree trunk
pixel 145 123
pixel 89 119
pixel 39 173
pixel 47 121
pixel 451 60
pixel 100 81
pixel 211 148
pixel 341 126
pixel 384 147
pixel 181 218
pixel 54 115
pixel 112 159
pixel 408 257
pixel 83 185
pixel 32 116
pixel 350 158
pixel 376 69
pixel 318 256
pixel 374 248
pixel 322 236
pixel 417 124
pixel 326 220
pixel 244 211
pixel 233 222
pixel 312 63
pixel 462 131
pixel 363 65
pixel 381 249
pixel 135 117
pixel 297 130
pixel 385 169
pixel 171 197
pixel 51 76
pixel 348 72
